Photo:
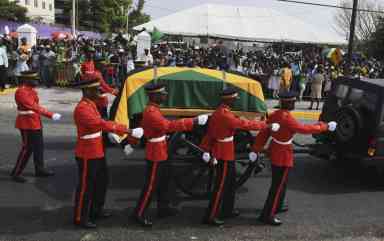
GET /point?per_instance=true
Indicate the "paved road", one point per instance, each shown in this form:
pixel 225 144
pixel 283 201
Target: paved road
pixel 326 203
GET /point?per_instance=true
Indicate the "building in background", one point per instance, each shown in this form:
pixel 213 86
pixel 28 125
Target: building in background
pixel 39 10
pixel 60 16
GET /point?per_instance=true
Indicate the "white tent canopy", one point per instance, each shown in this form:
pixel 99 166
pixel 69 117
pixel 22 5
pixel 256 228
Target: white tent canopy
pixel 242 23
pixel 29 32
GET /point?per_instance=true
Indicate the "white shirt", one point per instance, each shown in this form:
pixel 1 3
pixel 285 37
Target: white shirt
pixel 148 59
pixel 3 57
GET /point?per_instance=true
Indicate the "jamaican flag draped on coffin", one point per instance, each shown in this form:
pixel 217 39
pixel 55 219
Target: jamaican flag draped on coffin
pixel 188 88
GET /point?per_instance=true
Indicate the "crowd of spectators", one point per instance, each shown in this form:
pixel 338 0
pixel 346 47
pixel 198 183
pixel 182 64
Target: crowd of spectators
pixel 304 70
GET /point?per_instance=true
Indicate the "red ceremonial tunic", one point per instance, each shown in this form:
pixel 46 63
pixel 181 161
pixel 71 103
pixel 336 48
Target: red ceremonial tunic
pixel 282 154
pixel 155 125
pixel 89 127
pixel 88 71
pixel 29 110
pixel 221 129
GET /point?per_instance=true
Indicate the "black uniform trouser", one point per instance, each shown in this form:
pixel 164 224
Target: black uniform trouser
pixel 3 76
pixel 223 195
pixel 91 189
pixel 157 179
pixel 276 193
pixel 32 142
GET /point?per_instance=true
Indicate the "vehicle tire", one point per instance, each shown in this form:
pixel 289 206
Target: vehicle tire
pixel 350 125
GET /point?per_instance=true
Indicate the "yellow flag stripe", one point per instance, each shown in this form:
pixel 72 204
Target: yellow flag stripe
pixel 249 85
pixel 134 83
pixel 138 80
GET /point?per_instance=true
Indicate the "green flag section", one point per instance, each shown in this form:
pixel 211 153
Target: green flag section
pixel 156 35
pixel 188 88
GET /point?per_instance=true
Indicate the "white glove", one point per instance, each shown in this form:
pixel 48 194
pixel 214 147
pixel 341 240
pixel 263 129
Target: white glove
pixel 275 127
pixel 215 162
pixel 128 150
pixel 206 157
pixel 113 138
pixel 202 119
pixel 56 117
pixel 138 132
pixel 332 126
pixel 252 156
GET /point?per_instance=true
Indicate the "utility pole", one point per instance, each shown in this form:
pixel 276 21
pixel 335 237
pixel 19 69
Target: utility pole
pixel 352 34
pixel 122 17
pixel 74 18
pixel 127 19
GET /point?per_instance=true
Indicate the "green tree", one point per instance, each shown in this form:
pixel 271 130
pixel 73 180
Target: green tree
pixel 365 21
pixel 12 11
pixel 137 16
pixel 375 45
pixel 108 15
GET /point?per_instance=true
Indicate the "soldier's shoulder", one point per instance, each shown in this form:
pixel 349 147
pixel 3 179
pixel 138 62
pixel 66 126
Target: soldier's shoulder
pixel 151 108
pixel 82 105
pixel 23 91
pixel 280 114
pixel 225 111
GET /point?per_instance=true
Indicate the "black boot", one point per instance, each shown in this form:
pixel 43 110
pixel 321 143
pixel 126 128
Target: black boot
pixel 145 222
pixel 167 212
pixel 214 222
pixel 19 179
pixel 102 214
pixel 44 173
pixel 87 225
pixel 270 221
pixel 235 213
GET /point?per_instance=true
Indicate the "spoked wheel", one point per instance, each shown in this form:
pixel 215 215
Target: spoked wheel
pixel 196 178
pixel 192 175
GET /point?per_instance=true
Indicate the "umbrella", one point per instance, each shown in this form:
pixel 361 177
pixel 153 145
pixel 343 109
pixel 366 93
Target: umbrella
pixel 13 34
pixel 335 55
pixel 61 35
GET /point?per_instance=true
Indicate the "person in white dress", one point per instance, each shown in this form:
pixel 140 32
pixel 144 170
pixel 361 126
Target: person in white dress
pixel 274 82
pixel 21 64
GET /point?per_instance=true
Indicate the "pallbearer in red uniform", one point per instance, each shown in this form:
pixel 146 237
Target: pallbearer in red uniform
pixel 93 170
pixel 157 177
pixel 29 123
pixel 88 70
pixel 281 153
pixel 219 143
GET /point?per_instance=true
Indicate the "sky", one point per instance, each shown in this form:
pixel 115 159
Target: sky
pixel 320 17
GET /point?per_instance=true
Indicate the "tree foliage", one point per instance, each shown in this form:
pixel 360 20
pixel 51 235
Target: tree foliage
pixel 109 15
pixel 11 11
pixel 375 46
pixel 366 22
pixel 137 16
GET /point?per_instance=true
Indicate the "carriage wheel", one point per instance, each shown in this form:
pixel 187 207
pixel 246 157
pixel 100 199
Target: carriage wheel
pixel 194 177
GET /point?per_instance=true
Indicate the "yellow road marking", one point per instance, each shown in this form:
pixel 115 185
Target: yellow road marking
pixel 312 115
pixel 8 91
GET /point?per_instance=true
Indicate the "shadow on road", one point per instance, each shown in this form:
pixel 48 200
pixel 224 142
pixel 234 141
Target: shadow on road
pixel 36 220
pixel 310 176
pixel 322 177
